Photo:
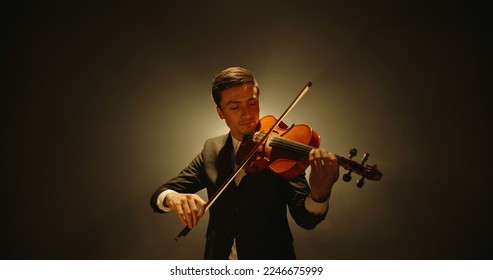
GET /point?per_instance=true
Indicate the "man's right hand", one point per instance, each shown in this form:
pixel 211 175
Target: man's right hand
pixel 189 207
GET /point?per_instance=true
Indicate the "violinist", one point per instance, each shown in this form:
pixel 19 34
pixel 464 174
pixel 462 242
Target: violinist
pixel 249 220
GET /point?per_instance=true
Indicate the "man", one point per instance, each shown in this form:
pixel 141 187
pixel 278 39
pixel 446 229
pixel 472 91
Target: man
pixel 249 219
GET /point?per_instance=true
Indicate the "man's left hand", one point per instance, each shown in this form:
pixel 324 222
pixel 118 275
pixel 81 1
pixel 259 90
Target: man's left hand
pixel 324 173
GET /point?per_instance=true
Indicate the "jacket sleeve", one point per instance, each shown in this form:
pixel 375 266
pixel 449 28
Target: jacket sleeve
pixel 189 180
pixel 297 191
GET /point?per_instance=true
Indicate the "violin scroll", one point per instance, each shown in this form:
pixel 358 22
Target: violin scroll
pixel 365 171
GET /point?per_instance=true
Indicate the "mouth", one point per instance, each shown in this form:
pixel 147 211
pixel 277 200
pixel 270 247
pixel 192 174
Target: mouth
pixel 247 123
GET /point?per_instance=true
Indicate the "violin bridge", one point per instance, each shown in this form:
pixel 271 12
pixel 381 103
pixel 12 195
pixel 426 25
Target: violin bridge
pixel 258 136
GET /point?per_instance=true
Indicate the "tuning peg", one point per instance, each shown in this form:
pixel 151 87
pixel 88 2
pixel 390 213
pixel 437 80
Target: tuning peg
pixel 365 158
pixel 352 153
pixel 361 181
pixel 347 177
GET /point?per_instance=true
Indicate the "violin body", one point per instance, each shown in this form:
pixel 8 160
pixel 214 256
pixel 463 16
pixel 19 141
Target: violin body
pixel 283 160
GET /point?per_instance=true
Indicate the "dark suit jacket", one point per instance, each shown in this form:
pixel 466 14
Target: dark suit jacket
pixel 253 213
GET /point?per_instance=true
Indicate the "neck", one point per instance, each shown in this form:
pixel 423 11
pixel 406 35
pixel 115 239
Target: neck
pixel 236 137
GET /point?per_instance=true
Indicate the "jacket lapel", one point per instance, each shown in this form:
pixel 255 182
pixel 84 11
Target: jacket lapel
pixel 224 162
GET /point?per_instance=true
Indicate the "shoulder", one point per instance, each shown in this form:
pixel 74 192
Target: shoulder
pixel 216 143
pixel 210 154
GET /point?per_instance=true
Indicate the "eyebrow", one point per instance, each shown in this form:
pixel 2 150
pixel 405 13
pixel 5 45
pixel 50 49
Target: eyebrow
pixel 232 102
pixel 236 102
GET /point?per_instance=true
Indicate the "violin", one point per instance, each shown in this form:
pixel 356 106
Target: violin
pixel 285 151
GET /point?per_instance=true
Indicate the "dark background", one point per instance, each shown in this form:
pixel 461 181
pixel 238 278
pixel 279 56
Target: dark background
pixel 105 101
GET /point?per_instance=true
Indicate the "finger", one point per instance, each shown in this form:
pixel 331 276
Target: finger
pixel 331 156
pixel 187 215
pixel 194 211
pixel 330 168
pixel 320 160
pixel 311 155
pixel 328 159
pixel 202 204
pixel 314 158
pixel 201 212
pixel 181 215
pixel 332 165
pixel 316 154
pixel 323 155
pixel 200 201
pixel 333 159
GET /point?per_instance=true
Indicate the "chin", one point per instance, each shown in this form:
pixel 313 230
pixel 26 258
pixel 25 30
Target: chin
pixel 251 129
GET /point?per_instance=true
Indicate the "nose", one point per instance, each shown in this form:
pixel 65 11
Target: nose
pixel 245 111
pixel 248 113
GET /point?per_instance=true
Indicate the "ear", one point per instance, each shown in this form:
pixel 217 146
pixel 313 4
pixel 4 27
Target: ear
pixel 220 112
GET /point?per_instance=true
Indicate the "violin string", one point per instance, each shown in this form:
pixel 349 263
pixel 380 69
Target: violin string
pixel 288 144
pixel 295 147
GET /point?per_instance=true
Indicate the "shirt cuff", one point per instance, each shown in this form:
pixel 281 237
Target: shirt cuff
pixel 160 200
pixel 316 208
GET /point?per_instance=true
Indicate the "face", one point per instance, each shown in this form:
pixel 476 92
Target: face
pixel 239 107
